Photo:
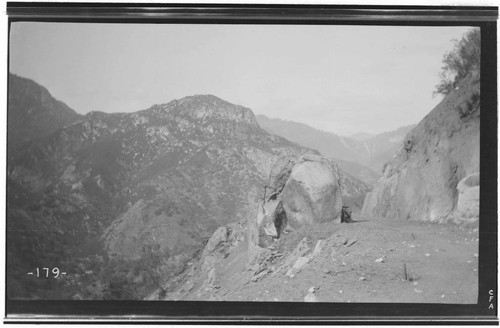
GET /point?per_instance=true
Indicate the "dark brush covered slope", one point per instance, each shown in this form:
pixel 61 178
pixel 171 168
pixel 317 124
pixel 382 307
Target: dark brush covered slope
pixel 33 112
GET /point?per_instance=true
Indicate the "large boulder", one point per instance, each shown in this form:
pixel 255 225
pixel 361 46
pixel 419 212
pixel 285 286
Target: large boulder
pixel 468 198
pixel 298 193
pixel 312 194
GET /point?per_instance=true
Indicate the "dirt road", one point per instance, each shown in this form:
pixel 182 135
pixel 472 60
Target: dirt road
pixel 364 262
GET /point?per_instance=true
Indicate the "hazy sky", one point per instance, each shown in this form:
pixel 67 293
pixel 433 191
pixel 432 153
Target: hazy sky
pixel 342 79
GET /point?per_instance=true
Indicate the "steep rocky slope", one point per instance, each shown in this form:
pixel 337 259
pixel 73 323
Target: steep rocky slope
pixel 435 174
pixel 122 201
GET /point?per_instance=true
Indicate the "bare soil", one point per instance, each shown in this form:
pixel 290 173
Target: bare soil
pixel 441 265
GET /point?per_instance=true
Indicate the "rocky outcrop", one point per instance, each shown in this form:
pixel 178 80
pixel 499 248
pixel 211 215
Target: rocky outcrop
pixel 209 107
pixel 422 181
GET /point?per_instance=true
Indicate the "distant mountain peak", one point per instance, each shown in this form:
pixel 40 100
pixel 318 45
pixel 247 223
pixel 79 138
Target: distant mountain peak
pixel 203 98
pixel 204 107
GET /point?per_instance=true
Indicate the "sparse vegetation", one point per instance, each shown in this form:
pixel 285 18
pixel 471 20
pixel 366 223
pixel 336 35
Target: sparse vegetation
pixel 462 60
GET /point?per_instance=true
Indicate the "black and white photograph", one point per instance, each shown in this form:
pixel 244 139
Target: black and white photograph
pixel 316 163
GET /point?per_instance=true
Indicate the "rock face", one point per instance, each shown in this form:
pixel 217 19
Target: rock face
pixel 422 181
pixel 299 193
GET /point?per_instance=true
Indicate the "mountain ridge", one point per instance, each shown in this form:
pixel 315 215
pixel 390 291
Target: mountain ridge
pixel 33 112
pixel 371 153
pixel 361 136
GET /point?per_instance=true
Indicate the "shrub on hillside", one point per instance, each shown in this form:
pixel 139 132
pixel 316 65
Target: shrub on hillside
pixel 463 59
